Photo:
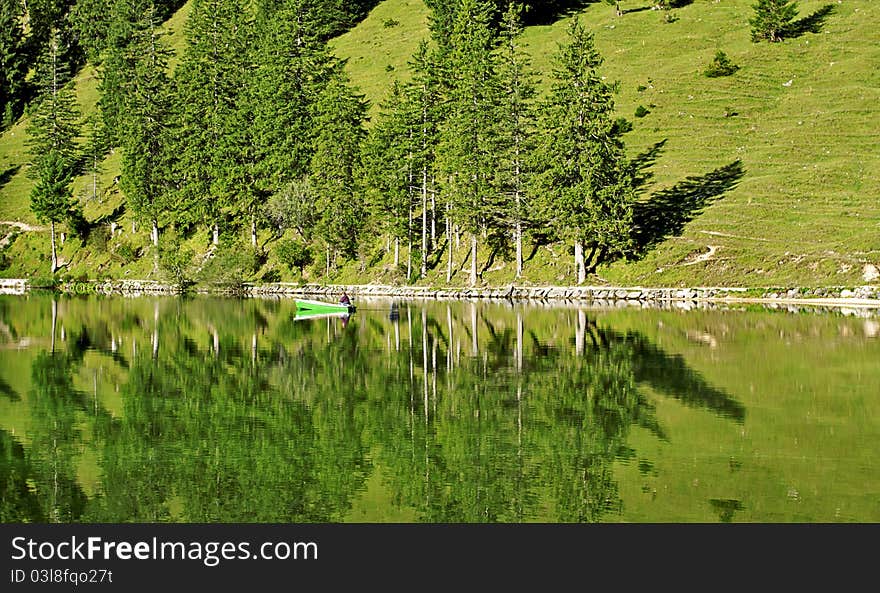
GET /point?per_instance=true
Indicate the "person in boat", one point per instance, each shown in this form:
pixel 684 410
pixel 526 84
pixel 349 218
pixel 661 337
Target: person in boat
pixel 344 300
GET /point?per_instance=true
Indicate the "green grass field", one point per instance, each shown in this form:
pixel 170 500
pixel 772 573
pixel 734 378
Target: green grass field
pixel 779 161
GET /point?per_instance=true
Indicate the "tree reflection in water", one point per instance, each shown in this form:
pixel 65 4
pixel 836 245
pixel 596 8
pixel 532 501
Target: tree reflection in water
pixel 210 410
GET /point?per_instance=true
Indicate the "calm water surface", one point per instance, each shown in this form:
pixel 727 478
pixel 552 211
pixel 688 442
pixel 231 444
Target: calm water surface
pixel 219 410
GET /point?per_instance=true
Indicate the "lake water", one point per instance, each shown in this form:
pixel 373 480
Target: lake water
pixel 155 409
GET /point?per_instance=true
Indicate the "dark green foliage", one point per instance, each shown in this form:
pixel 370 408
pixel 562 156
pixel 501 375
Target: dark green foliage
pixel 515 135
pixel 465 153
pixel 176 262
pixel 642 111
pixel 145 167
pixel 125 254
pixel 230 266
pixel 772 18
pixel 51 199
pixel 339 117
pixel 211 92
pixel 13 63
pixel 388 168
pixel 587 180
pixel 293 67
pixel 54 123
pixel 296 255
pixel 720 66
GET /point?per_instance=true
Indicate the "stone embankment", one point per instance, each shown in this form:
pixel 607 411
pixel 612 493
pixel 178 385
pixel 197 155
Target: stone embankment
pixel 868 296
pixel 865 295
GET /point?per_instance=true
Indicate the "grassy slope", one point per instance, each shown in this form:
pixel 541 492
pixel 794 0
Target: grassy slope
pixel 806 210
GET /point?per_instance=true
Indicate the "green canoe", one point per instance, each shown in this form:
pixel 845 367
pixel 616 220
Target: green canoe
pixel 322 307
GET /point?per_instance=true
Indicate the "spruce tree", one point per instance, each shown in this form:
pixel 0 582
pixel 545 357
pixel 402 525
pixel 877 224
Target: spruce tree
pixel 515 133
pixel 52 132
pixel 771 19
pixel 51 197
pixel 117 64
pixel 339 118
pixel 293 65
pixel 95 148
pixel 586 177
pixel 54 124
pixel 388 169
pixel 13 63
pixel 424 97
pixel 465 154
pixel 209 82
pixel 143 136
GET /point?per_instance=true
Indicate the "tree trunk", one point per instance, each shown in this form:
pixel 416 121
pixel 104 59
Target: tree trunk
pixel 579 262
pixel 54 251
pixel 215 239
pixel 517 237
pixel 448 247
pixel 433 217
pixel 154 234
pixel 396 252
pixel 254 232
pixel 424 222
pixel 409 260
pixel 473 259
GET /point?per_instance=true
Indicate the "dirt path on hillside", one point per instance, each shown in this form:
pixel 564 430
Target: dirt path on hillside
pixel 22 225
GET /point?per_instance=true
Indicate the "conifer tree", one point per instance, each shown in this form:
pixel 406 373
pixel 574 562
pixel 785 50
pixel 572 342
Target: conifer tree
pixel 339 117
pixel 293 66
pixel 52 132
pixel 515 132
pixel 388 169
pixel 585 176
pixel 13 63
pixel 116 64
pixel 210 80
pixel 771 19
pixel 465 151
pixel 144 136
pixel 424 96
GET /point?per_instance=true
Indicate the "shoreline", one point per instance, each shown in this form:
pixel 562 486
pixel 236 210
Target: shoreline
pixel 859 297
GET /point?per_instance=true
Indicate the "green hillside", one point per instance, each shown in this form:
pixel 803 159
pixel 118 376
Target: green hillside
pixel 776 164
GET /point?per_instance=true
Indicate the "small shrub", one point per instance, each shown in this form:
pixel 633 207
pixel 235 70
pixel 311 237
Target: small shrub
pixel 641 88
pixel 271 276
pixel 124 253
pixel 642 111
pixel 622 125
pixel 175 262
pixel 98 238
pixel 47 282
pixel 294 255
pixel 230 267
pixel 720 66
pixel 388 23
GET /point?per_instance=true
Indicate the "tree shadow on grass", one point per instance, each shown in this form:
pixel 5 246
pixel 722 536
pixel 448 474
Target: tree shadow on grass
pixel 551 11
pixel 7 175
pixel 643 162
pixel 666 212
pixel 809 24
